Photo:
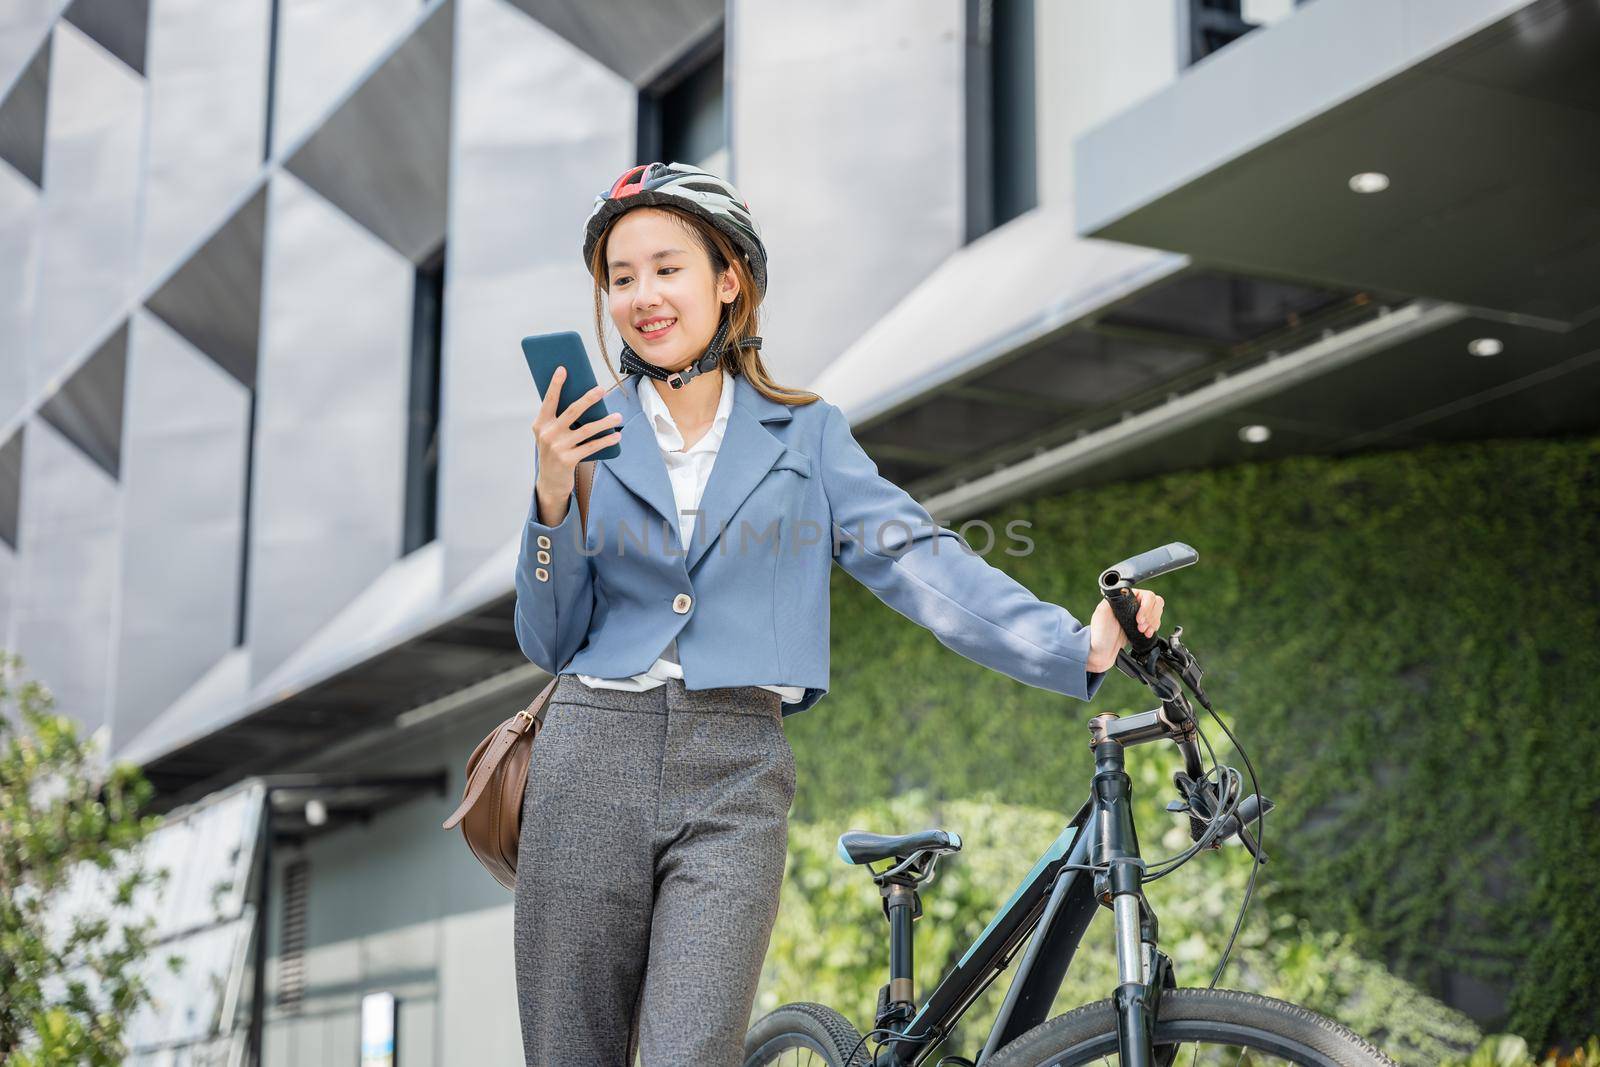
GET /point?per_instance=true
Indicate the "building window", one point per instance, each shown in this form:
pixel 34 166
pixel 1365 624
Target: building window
pixel 682 113
pixel 1002 142
pixel 11 489
pixel 242 615
pixel 1207 26
pixel 422 429
pixel 274 22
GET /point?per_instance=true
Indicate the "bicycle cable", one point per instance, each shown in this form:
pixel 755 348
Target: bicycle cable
pixel 1256 854
pixel 1231 791
pixel 1231 788
pixel 893 1037
pixel 1213 829
pixel 1215 825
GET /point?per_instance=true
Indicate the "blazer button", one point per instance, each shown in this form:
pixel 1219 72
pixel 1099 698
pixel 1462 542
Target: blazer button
pixel 541 574
pixel 681 602
pixel 543 556
pixel 544 540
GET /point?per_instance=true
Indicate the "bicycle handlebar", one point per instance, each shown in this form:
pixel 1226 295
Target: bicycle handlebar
pixel 1147 565
pixel 1116 585
pixel 1117 582
pixel 1164 665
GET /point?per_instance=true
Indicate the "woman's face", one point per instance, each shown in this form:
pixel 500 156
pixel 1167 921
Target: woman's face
pixel 659 276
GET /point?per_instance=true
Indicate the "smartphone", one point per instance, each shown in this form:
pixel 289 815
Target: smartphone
pixel 547 351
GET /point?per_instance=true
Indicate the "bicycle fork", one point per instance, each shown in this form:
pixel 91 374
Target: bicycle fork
pixel 1142 969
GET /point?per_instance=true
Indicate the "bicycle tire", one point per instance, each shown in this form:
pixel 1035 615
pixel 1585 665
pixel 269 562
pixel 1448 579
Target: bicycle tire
pixel 805 1025
pixel 1222 1017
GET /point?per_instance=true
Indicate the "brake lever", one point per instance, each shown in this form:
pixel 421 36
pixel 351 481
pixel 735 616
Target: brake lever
pixel 1248 841
pixel 1168 658
pixel 1188 667
pixel 1238 825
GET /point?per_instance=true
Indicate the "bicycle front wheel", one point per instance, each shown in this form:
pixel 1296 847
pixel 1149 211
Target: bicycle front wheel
pixel 1201 1026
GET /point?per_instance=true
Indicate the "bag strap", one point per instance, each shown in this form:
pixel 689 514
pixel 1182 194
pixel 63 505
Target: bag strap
pixel 505 736
pixel 585 484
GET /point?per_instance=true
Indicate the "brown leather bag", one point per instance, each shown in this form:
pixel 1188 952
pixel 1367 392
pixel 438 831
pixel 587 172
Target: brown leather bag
pixel 490 812
pixel 497 774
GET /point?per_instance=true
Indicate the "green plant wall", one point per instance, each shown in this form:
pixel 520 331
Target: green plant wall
pixel 1407 645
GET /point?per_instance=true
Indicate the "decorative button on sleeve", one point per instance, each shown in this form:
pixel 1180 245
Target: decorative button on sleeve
pixel 555 590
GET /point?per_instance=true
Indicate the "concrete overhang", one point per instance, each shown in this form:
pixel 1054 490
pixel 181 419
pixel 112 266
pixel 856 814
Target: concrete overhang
pixel 1014 285
pixel 1483 114
pixel 1031 338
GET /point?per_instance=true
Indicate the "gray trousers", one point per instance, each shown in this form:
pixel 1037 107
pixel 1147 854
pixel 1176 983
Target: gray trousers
pixel 655 828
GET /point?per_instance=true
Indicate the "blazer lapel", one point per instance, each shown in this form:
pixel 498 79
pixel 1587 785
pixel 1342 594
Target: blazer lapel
pixel 747 452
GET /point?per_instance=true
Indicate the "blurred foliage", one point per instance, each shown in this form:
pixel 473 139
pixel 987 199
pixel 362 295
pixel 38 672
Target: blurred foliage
pixel 831 940
pixel 1405 644
pixel 1508 1050
pixel 68 983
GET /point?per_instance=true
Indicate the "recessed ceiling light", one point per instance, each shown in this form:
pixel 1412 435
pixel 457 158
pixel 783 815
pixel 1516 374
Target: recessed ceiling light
pixel 1486 346
pixel 1369 181
pixel 1254 434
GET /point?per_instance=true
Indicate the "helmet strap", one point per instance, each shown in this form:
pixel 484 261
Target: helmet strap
pixel 632 363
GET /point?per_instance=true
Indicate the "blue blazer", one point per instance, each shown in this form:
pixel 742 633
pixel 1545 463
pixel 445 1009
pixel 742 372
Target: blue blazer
pixel 791 493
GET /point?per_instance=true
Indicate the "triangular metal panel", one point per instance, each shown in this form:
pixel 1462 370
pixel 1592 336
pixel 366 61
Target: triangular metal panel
pixel 214 300
pixel 383 157
pixel 635 40
pixel 116 25
pixel 22 116
pixel 88 408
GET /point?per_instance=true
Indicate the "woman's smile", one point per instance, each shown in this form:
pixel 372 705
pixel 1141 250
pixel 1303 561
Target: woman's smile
pixel 657 329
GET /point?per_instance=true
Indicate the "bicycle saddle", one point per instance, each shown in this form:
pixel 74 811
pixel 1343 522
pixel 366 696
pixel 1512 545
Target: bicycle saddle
pixel 859 846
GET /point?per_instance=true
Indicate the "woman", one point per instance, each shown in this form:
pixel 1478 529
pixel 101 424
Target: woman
pixel 684 603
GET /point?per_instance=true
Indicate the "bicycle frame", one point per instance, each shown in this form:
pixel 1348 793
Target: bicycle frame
pixel 1056 901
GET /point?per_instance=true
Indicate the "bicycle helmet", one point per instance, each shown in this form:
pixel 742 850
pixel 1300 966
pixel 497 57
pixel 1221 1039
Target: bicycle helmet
pixel 710 198
pixel 680 185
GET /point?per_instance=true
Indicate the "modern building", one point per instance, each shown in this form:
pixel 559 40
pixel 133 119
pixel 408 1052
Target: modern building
pixel 264 423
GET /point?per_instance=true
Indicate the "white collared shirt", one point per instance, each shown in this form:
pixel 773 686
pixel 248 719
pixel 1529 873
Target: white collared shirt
pixel 689 470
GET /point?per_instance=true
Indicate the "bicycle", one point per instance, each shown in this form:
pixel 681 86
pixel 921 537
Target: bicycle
pixel 1095 862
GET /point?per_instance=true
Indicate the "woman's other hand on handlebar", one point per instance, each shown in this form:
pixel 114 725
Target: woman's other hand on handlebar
pixel 562 446
pixel 1106 638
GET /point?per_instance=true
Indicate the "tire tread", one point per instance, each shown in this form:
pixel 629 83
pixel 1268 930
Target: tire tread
pixel 839 1030
pixel 1216 1005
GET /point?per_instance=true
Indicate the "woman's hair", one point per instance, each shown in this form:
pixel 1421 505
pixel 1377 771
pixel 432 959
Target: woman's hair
pixel 744 312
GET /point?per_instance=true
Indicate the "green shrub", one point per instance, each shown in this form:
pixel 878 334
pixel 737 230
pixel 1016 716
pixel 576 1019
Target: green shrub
pixel 69 979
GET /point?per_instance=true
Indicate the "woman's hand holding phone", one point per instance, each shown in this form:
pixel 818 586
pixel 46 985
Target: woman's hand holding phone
pixel 562 446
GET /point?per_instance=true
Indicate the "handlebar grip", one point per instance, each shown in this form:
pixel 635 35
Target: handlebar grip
pixel 1136 570
pixel 1125 606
